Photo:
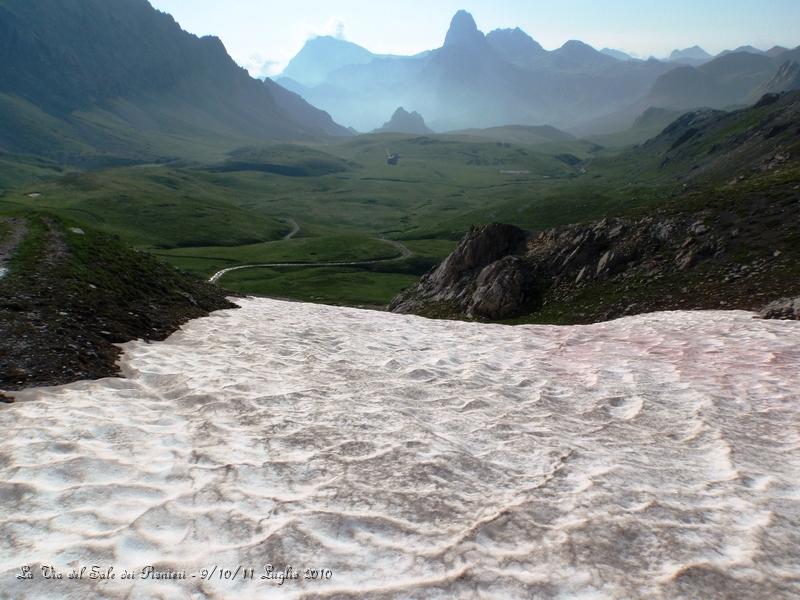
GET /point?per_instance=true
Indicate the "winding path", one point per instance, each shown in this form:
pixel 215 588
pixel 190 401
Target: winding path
pixel 295 229
pixel 405 252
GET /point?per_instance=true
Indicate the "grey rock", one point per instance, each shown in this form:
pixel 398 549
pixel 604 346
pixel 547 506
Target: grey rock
pixel 503 289
pixel 454 279
pixel 786 309
pixel 698 228
pixel 604 261
pixel 664 230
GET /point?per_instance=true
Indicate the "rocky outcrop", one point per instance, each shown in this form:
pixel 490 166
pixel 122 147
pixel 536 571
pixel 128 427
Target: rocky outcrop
pixel 711 259
pixel 480 277
pixel 463 31
pixel 787 309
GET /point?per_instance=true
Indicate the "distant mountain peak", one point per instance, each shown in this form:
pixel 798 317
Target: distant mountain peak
pixel 514 44
pixel 403 121
pixel 776 51
pixel 323 55
pixel 693 53
pixel 750 49
pixel 576 47
pixel 463 30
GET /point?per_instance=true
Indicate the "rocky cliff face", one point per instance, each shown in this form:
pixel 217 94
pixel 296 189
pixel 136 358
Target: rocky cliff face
pixel 62 60
pixel 482 277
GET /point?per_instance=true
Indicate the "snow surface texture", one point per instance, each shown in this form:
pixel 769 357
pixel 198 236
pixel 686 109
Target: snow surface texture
pixel 656 456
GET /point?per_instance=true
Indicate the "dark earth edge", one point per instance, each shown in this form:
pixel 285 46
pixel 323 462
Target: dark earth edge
pixel 72 293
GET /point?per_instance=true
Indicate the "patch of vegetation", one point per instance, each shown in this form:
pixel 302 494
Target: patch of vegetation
pixel 343 286
pixel 335 248
pixel 284 159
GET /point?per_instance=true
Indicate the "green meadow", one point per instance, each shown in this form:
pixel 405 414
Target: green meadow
pixel 349 205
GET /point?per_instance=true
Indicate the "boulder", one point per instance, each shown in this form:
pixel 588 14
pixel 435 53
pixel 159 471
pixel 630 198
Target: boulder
pixel 786 309
pixel 454 280
pixel 503 289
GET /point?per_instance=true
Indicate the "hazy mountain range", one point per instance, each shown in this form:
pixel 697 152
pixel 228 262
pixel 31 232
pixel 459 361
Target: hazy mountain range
pixel 99 82
pixel 505 76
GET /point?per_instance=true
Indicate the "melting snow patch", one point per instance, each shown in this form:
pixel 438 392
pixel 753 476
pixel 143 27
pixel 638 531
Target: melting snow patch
pixel 654 456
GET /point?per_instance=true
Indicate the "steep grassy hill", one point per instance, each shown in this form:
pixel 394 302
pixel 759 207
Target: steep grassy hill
pixel 104 81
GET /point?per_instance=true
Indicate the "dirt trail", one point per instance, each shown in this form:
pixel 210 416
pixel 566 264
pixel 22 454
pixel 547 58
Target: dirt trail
pixel 295 229
pixel 17 228
pixel 405 253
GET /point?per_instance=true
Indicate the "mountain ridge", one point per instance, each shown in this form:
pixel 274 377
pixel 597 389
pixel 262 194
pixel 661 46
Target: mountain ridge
pixel 506 76
pixel 118 77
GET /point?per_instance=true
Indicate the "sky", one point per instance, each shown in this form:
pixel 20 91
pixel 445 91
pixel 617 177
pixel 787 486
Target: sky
pixel 263 36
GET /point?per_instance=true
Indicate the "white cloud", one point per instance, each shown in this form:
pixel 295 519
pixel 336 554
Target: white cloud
pixel 261 67
pixel 333 27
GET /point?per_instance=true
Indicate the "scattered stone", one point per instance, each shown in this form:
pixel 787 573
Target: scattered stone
pixel 698 228
pixel 604 261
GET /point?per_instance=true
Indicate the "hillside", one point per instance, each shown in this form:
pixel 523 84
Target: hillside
pixel 120 80
pixel 69 294
pixel 787 79
pixel 727 238
pixel 717 146
pixel 518 134
pixel 721 82
pixel 732 79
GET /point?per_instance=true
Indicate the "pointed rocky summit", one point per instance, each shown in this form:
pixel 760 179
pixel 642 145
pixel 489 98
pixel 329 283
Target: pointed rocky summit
pixel 463 31
pixel 405 122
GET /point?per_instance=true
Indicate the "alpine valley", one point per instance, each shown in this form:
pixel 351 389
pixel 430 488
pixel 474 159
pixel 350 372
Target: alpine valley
pixel 488 321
